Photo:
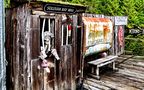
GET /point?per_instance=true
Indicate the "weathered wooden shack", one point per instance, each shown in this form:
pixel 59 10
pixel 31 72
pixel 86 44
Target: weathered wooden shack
pixel 42 45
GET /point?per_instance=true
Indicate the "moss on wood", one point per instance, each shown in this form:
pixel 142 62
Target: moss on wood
pixel 60 2
pixel 7 3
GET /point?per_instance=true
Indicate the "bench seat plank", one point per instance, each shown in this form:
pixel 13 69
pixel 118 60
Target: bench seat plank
pixel 102 60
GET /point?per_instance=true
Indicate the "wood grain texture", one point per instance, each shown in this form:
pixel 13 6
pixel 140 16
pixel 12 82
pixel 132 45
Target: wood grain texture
pixel 23 49
pixel 129 77
pixel 18 66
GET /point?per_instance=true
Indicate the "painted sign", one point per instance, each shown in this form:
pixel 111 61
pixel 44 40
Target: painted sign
pixel 121 20
pixel 61 8
pixel 134 31
pixel 120 36
pixel 119 48
pixel 98 34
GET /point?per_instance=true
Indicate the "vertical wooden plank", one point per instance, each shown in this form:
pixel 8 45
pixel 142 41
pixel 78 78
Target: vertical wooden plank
pixel 35 36
pixel 58 37
pixel 79 47
pixel 22 14
pixel 19 63
pixel 45 83
pixel 16 52
pixel 54 60
pixel 36 76
pixel 15 65
pixel 69 66
pixel 61 71
pixel 51 76
pixel 28 53
pixel 9 49
pixel 64 68
pixel 58 32
pixel 123 48
pixel 116 40
pixel 37 80
pixel 66 74
pixel 53 31
pixel 83 39
pixel 55 75
pixel 74 48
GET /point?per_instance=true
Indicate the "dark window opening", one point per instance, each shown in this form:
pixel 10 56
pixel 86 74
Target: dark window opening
pixel 66 30
pixel 47 28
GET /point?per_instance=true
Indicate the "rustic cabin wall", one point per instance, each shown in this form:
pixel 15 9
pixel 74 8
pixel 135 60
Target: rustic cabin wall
pixel 16 44
pixel 23 49
pixel 9 48
pixel 65 52
pixel 67 66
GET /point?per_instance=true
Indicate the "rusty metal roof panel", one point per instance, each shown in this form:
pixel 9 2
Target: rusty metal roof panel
pixel 91 19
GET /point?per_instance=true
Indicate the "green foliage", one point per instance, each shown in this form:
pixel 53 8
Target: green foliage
pixel 62 2
pixel 135 45
pixel 7 3
pixel 134 9
pixel 139 48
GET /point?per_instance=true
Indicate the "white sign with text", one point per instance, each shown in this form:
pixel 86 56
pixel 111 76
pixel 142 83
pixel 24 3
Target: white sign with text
pixel 121 20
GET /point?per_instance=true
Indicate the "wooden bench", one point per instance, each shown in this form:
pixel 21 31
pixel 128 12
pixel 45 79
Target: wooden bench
pixel 102 62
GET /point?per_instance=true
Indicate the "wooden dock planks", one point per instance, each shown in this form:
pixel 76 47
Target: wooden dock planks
pixel 129 77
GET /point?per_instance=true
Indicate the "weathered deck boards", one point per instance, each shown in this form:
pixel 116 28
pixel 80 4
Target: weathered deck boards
pixel 129 77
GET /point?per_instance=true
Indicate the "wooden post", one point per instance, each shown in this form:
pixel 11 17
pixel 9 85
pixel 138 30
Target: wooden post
pixel 66 34
pixel 62 36
pixel 58 43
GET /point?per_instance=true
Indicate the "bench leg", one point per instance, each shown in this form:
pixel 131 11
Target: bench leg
pixel 92 69
pixel 97 73
pixel 114 66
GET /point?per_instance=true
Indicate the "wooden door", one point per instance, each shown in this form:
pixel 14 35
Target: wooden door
pixel 66 46
pixel 40 78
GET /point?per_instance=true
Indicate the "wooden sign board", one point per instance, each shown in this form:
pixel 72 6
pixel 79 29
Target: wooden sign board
pixel 98 34
pixel 134 31
pixel 121 20
pixel 61 8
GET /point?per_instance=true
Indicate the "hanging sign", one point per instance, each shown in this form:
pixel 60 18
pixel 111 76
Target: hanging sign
pixel 98 34
pixel 121 20
pixel 62 8
pixel 135 31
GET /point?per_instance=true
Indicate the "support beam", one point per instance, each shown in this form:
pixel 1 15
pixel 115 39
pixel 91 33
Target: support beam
pixel 2 47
